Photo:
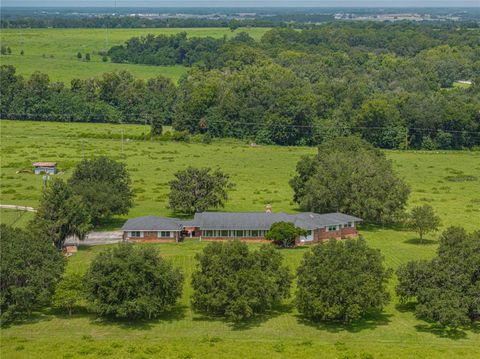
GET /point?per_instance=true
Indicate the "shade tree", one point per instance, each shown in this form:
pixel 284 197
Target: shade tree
pixel 132 282
pixel 423 220
pixel 233 282
pixel 349 175
pixel 61 213
pixel 104 186
pixel 198 189
pixel 341 281
pixel 30 267
pixel 446 289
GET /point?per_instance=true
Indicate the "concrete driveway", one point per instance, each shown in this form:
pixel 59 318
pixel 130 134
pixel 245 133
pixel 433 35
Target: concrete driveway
pixel 97 238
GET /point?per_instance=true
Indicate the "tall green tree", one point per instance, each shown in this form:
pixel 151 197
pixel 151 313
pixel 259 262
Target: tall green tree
pixel 445 290
pixel 104 185
pixel 233 282
pixel 351 176
pixel 198 189
pixel 69 293
pixel 61 213
pixel 284 234
pixel 132 282
pixel 341 280
pixel 422 219
pixel 29 267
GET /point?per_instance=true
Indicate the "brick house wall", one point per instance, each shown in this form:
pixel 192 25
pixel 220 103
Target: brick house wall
pixel 247 239
pixel 151 236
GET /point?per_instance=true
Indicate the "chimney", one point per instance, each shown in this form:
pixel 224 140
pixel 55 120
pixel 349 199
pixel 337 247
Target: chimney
pixel 268 208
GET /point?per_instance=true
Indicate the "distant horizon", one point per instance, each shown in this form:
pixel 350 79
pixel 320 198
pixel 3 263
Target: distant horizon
pixel 320 4
pixel 239 7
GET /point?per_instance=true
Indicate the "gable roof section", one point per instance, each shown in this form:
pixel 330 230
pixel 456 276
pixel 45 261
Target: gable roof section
pixel 152 223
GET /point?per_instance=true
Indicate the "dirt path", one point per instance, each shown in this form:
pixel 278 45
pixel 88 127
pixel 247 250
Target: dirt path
pixel 18 208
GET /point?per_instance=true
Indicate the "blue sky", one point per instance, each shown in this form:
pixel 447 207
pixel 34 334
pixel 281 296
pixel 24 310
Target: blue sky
pixel 245 3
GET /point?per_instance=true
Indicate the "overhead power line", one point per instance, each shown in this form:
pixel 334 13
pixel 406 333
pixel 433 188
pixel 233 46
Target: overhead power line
pixel 142 118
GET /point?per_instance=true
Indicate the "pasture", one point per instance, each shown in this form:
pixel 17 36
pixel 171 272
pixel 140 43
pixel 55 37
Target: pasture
pixel 54 51
pixel 449 181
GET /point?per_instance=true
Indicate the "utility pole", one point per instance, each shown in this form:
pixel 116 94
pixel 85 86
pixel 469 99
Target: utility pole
pixel 406 138
pixel 45 180
pixel 122 141
pixel 145 129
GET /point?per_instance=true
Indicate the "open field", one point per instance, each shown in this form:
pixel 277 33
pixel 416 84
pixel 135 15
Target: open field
pixel 60 47
pixel 449 181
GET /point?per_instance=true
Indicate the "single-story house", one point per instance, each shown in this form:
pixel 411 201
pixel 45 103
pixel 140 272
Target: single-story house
pixel 44 167
pixel 250 226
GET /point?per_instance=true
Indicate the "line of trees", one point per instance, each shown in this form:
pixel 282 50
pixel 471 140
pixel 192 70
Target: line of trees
pixel 265 102
pixel 339 281
pixel 130 22
pixel 114 97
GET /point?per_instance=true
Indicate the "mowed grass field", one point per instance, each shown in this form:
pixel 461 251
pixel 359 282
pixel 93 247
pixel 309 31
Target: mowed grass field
pixel 54 51
pixel 449 181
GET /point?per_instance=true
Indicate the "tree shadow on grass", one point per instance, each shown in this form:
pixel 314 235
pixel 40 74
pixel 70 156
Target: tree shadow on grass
pixel 423 242
pixel 177 313
pixel 406 307
pixel 371 321
pixel 249 323
pixel 24 319
pixel 369 227
pixel 441 331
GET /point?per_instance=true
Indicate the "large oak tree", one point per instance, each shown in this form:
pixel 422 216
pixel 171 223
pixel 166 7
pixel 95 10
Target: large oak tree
pixel 349 175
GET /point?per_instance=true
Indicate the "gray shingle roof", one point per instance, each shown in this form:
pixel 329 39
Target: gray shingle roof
pixel 263 221
pixel 152 223
pixel 239 221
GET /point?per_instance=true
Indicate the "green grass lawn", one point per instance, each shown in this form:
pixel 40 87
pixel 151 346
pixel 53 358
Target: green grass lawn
pixel 449 181
pixel 54 51
pixel 15 218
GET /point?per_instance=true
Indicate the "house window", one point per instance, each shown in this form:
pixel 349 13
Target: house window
pixel 331 228
pixel 135 234
pixel 255 233
pixel 224 233
pixel 351 224
pixel 239 233
pixel 165 234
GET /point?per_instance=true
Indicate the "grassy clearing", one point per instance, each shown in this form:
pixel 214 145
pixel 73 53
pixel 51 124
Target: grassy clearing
pixel 15 218
pixel 54 51
pixel 449 181
pixel 395 333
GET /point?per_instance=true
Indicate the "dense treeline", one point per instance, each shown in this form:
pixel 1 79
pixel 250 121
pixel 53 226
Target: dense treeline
pixel 178 49
pixel 131 22
pixel 114 97
pixel 392 84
